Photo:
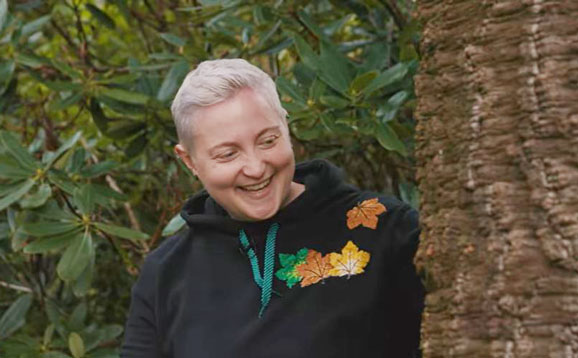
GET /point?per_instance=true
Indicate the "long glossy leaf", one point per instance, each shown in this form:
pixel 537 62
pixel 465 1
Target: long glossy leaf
pixel 52 211
pixel 136 146
pixel 106 192
pixel 125 96
pixel 16 194
pixel 98 117
pixel 389 139
pixel 35 25
pixel 66 69
pixel 310 23
pixel 31 60
pixel 6 72
pixel 37 199
pixel 57 354
pixel 173 39
pixel 82 284
pixel 101 16
pixel 61 86
pixel 48 334
pixel 61 180
pixel 317 89
pixel 84 198
pixel 334 68
pixel 4 230
pixel 76 345
pixel 17 151
pixel 98 169
pixel 124 129
pixel 398 99
pixel 63 148
pixel 63 103
pixel 76 257
pixel 15 316
pixel 18 240
pixel 263 39
pixel 174 225
pixel 362 81
pixel 78 317
pixel 386 78
pixel 54 243
pixel 111 331
pixel 49 228
pixel 276 47
pixel 123 232
pixel 11 169
pixel 308 57
pixel 3 13
pixel 334 102
pixel 288 88
pixel 172 80
pixel 388 111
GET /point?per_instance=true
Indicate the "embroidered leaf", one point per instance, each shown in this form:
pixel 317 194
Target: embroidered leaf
pixel 314 269
pixel 350 262
pixel 288 262
pixel 365 214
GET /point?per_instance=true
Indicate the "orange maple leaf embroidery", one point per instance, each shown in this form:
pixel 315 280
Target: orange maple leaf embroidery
pixel 315 268
pixel 365 214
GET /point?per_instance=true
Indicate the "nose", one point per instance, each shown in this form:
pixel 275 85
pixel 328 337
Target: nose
pixel 254 166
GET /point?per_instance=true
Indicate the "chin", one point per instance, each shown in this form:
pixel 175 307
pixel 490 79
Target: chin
pixel 259 215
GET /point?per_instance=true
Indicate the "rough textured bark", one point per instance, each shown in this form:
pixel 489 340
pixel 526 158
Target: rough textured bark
pixel 498 172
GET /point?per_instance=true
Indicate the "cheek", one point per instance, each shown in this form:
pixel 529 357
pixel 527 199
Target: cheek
pixel 218 177
pixel 284 158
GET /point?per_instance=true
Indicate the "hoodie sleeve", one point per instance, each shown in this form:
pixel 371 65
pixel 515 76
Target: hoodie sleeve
pixel 141 336
pixel 407 301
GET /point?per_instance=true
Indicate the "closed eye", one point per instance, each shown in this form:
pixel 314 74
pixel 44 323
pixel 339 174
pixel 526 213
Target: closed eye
pixel 269 141
pixel 227 155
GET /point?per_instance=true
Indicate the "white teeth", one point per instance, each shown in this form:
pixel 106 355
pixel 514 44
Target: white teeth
pixel 257 186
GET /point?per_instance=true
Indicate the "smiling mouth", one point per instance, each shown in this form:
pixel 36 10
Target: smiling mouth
pixel 257 187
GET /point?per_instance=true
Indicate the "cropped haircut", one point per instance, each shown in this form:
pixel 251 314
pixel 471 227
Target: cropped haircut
pixel 215 81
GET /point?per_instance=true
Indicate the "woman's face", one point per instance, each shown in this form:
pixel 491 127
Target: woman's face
pixel 242 154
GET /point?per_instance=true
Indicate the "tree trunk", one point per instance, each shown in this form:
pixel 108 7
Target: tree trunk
pixel 497 149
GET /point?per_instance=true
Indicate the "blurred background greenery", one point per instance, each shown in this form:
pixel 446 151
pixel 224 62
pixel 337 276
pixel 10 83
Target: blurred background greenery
pixel 89 183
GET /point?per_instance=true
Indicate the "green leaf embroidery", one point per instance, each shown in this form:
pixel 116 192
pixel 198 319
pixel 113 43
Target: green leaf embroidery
pixel 288 262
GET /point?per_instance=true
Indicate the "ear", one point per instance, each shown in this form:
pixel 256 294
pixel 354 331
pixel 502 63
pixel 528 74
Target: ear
pixel 185 157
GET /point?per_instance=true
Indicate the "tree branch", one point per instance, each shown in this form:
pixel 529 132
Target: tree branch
pixel 15 287
pixel 398 17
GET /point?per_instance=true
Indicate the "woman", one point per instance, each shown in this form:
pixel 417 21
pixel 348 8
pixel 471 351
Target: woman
pixel 277 260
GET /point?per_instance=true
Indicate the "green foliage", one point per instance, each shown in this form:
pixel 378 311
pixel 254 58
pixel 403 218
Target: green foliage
pixel 88 179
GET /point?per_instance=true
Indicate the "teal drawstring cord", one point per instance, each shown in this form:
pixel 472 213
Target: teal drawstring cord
pixel 264 282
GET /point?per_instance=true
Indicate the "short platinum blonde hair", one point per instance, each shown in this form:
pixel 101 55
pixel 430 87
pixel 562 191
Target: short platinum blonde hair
pixel 215 81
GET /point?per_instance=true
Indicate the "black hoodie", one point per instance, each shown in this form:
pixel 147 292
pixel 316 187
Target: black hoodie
pixel 344 283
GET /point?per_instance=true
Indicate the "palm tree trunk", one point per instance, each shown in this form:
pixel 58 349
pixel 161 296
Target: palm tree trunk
pixel 497 149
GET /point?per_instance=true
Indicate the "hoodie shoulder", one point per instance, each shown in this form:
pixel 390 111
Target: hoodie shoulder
pixel 168 246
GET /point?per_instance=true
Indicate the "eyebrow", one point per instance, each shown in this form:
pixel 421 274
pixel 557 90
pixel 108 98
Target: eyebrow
pixel 227 144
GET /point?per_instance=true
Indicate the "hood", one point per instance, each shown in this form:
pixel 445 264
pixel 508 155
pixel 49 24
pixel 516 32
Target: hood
pixel 323 182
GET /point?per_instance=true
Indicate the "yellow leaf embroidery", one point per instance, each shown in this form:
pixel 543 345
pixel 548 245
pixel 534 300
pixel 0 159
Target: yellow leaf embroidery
pixel 350 262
